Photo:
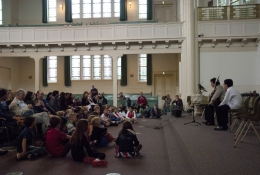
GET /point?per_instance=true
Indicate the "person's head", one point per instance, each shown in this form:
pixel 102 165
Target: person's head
pixel 29 122
pixel 37 102
pixel 126 125
pixel 68 111
pixel 96 97
pixel 154 106
pixel 147 106
pixel 93 86
pixel 84 110
pixel 3 94
pixel 121 105
pixel 55 122
pixel 97 109
pixel 40 94
pixel 55 94
pixel 130 109
pixel 141 94
pixel 60 113
pixel 20 94
pixel 213 81
pixel 80 131
pixel 67 95
pixel 228 83
pixel 95 121
pixel 106 111
pixel 85 94
pixel 11 96
pixel 72 117
pixel 110 108
pixel 115 110
pixel 90 117
pixel 167 96
pixel 62 95
pixel 177 97
pixel 29 96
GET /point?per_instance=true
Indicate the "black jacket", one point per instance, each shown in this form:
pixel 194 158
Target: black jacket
pixel 127 141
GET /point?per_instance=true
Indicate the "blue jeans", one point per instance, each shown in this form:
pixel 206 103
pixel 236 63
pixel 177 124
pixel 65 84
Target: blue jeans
pixel 35 150
pixel 166 109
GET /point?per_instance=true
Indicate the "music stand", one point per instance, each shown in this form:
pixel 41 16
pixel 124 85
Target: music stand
pixel 201 88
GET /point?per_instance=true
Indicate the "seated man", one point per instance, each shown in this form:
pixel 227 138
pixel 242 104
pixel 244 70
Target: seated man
pixel 156 112
pixel 141 101
pixel 10 120
pixel 102 99
pixel 121 96
pixel 19 107
pixel 54 103
pixel 216 97
pixel 232 100
pixel 178 102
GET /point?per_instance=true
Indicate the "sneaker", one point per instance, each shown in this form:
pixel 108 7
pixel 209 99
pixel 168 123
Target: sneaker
pixel 98 162
pixel 18 156
pixel 89 159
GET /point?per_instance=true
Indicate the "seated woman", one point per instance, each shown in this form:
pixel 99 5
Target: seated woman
pixel 29 98
pixel 157 113
pixel 178 103
pixel 127 144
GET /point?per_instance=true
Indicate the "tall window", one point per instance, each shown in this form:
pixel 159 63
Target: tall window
pixel 97 9
pixel 1 14
pixel 87 9
pixel 142 9
pixel 89 67
pixel 234 2
pixel 52 5
pixel 142 67
pixel 52 69
pixel 75 8
pixel 116 8
pixel 106 8
pixel 119 68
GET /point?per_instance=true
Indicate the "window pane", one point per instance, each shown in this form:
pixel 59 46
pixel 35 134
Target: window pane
pixel 86 72
pixel 106 8
pixel 75 8
pixel 97 73
pixel 107 73
pixel 87 9
pixel 75 72
pixel 86 62
pixel 142 67
pixel 52 8
pixel 142 9
pixel 119 73
pixel 52 73
pixel 142 61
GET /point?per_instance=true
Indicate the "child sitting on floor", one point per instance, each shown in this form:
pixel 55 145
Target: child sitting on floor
pixel 57 143
pixel 71 123
pixel 80 149
pixel 156 112
pixel 105 119
pixel 99 136
pixel 130 115
pixel 117 115
pixel 113 117
pixel 25 149
pixel 127 144
pixel 146 112
pixel 82 114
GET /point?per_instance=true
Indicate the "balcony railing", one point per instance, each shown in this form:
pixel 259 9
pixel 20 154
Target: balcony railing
pixel 229 12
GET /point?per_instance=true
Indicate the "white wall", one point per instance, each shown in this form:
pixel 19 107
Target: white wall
pixel 241 67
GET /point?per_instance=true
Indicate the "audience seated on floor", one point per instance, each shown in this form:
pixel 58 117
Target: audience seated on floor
pixel 131 115
pixel 156 112
pixel 71 124
pixel 53 102
pixel 106 120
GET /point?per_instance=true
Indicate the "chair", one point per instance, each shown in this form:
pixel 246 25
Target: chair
pixel 248 121
pixel 235 112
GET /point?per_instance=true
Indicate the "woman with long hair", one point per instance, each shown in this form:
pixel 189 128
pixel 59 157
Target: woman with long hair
pixel 80 149
pixel 29 98
pixel 48 97
pixel 127 144
pixel 84 100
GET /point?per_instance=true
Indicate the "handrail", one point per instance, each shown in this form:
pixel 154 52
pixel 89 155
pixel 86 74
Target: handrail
pixel 44 25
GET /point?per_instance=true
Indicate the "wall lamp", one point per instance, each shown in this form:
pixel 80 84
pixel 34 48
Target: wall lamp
pixel 61 6
pixel 162 2
pixel 130 3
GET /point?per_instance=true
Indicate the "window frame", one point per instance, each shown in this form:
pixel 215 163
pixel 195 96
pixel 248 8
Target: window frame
pixel 140 56
pixel 92 68
pixel 48 12
pixel 1 12
pixel 50 67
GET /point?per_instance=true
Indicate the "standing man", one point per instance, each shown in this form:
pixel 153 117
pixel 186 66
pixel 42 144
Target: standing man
pixel 141 101
pixel 216 97
pixel 93 91
pixel 232 100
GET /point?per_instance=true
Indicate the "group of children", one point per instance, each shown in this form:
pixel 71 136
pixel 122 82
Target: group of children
pixel 81 130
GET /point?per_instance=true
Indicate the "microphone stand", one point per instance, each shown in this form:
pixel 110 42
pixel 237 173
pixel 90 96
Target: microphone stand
pixel 193 121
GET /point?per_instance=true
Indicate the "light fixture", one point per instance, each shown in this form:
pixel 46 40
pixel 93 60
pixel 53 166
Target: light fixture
pixel 61 6
pixel 130 3
pixel 163 73
pixel 162 2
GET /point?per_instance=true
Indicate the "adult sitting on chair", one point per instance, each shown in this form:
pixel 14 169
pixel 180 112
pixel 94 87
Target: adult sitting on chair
pixel 10 120
pixel 216 97
pixel 141 101
pixel 232 100
pixel 19 107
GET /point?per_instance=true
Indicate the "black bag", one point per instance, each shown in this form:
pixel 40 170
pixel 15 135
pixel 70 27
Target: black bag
pixel 176 112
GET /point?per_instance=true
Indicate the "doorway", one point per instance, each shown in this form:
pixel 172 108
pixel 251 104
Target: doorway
pixel 164 84
pixel 163 13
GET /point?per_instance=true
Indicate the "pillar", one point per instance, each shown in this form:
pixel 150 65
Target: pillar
pixel 37 73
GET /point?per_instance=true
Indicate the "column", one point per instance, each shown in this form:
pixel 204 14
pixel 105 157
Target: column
pixel 188 48
pixel 115 82
pixel 37 74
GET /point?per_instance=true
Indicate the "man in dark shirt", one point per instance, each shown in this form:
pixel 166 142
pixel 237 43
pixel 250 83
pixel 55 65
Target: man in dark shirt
pixel 53 103
pixel 93 91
